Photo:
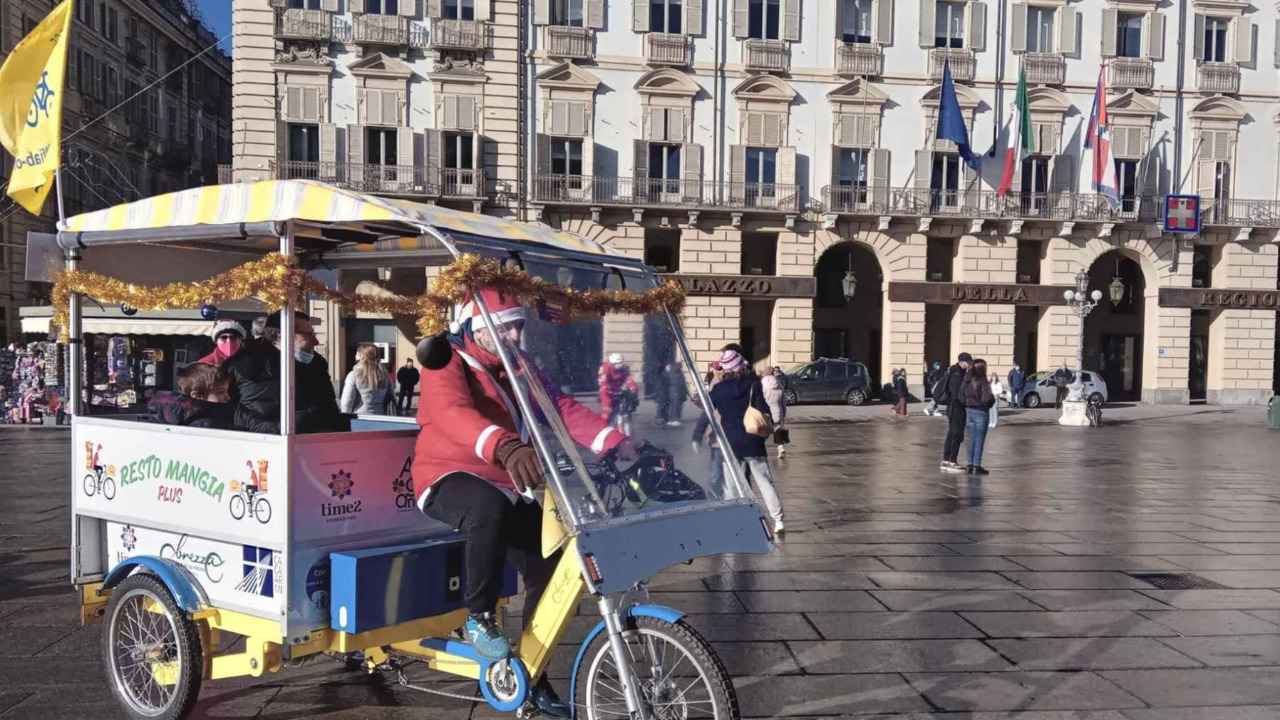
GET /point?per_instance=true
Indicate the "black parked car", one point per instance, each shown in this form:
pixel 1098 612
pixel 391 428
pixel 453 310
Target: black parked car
pixel 828 380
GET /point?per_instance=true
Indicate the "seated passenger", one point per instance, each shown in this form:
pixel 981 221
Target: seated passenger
pixel 203 400
pixel 255 384
pixel 228 337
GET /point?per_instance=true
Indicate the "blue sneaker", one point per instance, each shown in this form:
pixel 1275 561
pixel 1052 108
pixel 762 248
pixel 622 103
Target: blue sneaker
pixel 483 634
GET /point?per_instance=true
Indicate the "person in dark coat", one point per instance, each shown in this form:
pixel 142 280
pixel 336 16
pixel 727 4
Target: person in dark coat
pixel 953 401
pixel 677 393
pixel 900 391
pixel 1017 381
pixel 739 388
pixel 255 384
pixel 406 380
pixel 978 401
pixel 1062 379
pixel 203 400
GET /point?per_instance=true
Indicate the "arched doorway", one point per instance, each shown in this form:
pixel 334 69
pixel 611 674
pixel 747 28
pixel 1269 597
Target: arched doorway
pixel 1113 332
pixel 844 324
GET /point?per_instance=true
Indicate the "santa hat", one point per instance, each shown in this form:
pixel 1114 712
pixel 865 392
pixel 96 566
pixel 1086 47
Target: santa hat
pixel 503 308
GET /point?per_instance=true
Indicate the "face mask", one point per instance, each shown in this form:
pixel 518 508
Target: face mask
pixel 229 346
pixel 303 356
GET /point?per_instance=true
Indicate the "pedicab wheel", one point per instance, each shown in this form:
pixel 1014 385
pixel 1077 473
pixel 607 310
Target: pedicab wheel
pixel 680 675
pixel 152 651
pixel 262 510
pixel 237 507
pixel 90 485
pixel 109 488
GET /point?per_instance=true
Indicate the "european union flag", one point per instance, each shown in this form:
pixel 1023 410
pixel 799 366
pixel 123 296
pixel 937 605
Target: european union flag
pixel 951 121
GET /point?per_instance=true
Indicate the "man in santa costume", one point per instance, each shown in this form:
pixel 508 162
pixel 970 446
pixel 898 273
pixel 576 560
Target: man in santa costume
pixel 614 379
pixel 475 467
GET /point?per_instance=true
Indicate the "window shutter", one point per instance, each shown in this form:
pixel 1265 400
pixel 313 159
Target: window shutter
pixel 1222 145
pixel 1120 142
pixel 328 151
pixel 772 129
pixel 834 198
pixel 355 150
pixel 468 117
pixel 483 10
pixel 1018 36
pixel 785 178
pixel 924 170
pixel 1276 59
pixel 640 15
pixel 370 106
pixel 1110 19
pixel 651 123
pixel 293 103
pixel 883 14
pixel 977 26
pixel 329 5
pixel 1068 31
pixel 1063 178
pixel 404 156
pixel 433 9
pixel 408 8
pixel 1155 36
pixel 692 171
pixel 282 148
pixel 791 20
pixel 842 131
pixel 543 154
pixel 1242 42
pixel 391 114
pixel 311 104
pixel 433 157
pixel 927 31
pixel 542 16
pixel 560 118
pixel 693 22
pixel 867 132
pixel 741 19
pixel 579 119
pixel 676 125
pixel 1197 38
pixel 640 168
pixel 737 171
pixel 752 130
pixel 1206 172
pixel 595 14
pixel 880 177
pixel 449 112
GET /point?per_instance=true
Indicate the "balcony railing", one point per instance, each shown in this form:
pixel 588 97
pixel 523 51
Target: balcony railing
pixel 667 49
pixel 299 24
pixel 570 42
pixel 859 59
pixel 411 180
pixel 766 55
pixel 224 174
pixel 963 65
pixel 1045 68
pixel 135 52
pixel 1242 213
pixel 381 30
pixel 1132 73
pixel 585 190
pixel 1218 77
pixel 461 35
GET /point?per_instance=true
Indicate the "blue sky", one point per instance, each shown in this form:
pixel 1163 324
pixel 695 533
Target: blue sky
pixel 218 14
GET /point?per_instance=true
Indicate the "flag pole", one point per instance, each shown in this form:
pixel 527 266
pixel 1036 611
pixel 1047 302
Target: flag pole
pixel 75 340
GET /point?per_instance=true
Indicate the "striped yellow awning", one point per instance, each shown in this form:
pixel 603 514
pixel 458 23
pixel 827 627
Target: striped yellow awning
pixel 309 201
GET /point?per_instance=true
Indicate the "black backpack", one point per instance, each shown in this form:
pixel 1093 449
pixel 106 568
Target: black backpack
pixel 940 391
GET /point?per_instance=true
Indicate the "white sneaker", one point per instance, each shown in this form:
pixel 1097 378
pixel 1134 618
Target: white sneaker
pixel 778 528
pixel 782 452
pixel 674 423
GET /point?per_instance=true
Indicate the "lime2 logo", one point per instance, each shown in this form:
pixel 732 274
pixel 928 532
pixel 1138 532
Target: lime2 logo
pixel 340 485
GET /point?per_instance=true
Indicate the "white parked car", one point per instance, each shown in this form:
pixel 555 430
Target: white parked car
pixel 1041 390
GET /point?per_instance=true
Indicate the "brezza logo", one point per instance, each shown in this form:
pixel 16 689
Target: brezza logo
pixel 33 158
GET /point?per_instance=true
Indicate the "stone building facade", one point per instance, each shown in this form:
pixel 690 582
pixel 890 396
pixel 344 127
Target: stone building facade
pixel 171 137
pixel 777 157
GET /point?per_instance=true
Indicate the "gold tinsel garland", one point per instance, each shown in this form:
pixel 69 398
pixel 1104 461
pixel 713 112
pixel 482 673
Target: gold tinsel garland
pixel 273 280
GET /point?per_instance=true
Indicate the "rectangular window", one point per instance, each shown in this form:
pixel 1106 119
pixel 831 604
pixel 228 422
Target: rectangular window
pixel 662 249
pixel 458 154
pixel 853 176
pixel 664 168
pixel 1215 39
pixel 1035 184
pixel 666 16
pixel 567 13
pixel 856 21
pixel 383 7
pixel 759 254
pixel 380 146
pixel 944 183
pixel 460 9
pixel 1127 179
pixel 948 23
pixel 566 157
pixel 305 4
pixel 762 173
pixel 304 144
pixel 1129 35
pixel 1040 29
pixel 764 18
pixel 1222 181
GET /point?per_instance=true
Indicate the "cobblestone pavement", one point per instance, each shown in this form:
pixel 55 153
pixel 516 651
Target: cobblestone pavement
pixel 1034 593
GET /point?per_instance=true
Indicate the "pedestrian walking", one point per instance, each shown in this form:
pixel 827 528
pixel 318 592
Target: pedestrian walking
pixel 702 433
pixel 900 391
pixel 661 393
pixel 978 403
pixel 406 380
pixel 1017 381
pixel 1062 377
pixel 997 387
pixel 953 400
pixel 776 399
pixel 677 393
pixel 931 390
pixel 738 393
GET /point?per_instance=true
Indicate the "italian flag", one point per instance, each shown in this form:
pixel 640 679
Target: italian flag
pixel 1021 143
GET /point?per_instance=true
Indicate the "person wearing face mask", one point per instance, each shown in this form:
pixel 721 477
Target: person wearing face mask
pixel 228 338
pixel 255 383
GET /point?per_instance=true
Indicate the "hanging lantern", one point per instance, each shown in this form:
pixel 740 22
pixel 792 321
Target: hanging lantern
pixel 849 284
pixel 1116 289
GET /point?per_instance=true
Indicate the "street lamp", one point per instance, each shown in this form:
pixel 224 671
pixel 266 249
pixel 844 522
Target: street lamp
pixel 1116 288
pixel 1082 302
pixel 850 282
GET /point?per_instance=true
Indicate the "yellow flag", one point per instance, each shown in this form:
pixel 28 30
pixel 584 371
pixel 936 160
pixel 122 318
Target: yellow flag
pixel 31 97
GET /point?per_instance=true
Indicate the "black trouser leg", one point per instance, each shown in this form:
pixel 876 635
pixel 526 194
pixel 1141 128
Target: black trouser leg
pixel 525 553
pixel 955 432
pixel 487 518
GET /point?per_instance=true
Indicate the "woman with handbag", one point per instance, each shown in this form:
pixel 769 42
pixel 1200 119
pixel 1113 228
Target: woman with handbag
pixel 771 384
pixel 744 416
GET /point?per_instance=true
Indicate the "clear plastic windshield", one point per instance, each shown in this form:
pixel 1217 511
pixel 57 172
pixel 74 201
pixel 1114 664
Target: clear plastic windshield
pixel 619 409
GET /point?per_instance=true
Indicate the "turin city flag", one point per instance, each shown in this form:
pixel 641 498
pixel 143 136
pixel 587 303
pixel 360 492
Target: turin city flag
pixel 1021 140
pixel 1098 138
pixel 31 107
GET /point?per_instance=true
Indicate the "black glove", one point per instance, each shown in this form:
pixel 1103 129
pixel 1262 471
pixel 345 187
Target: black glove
pixel 521 462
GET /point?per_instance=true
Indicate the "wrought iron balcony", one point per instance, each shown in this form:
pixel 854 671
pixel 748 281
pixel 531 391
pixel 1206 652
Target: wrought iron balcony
pixel 570 42
pixel 380 30
pixel 461 35
pixel 766 55
pixel 658 193
pixel 963 64
pixel 1129 73
pixel 1240 213
pixel 1218 77
pixel 1045 68
pixel 299 24
pixel 135 52
pixel 859 59
pixel 405 180
pixel 668 49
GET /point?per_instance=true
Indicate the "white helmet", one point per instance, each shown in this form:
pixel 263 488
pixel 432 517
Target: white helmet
pixel 615 358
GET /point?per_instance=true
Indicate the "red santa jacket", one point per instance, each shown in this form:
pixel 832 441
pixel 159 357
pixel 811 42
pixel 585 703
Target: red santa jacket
pixel 613 380
pixel 468 410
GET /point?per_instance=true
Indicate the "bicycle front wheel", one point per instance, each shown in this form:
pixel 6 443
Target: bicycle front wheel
pixel 679 675
pixel 90 485
pixel 238 507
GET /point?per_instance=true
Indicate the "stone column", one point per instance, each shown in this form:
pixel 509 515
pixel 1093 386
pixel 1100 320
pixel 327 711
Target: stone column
pixel 711 323
pixel 1242 342
pixel 1058 331
pixel 792 342
pixel 986 330
pixel 1166 341
pixel 253 90
pixel 903 257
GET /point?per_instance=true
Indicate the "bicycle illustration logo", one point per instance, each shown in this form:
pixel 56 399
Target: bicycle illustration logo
pixel 98 480
pixel 250 496
pixel 40 101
